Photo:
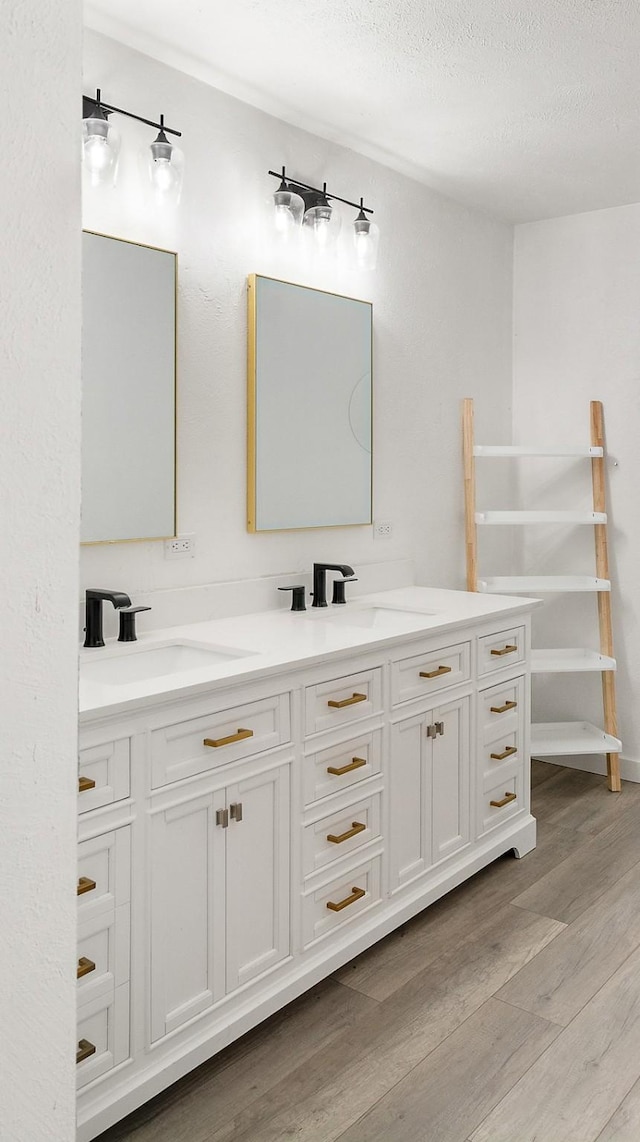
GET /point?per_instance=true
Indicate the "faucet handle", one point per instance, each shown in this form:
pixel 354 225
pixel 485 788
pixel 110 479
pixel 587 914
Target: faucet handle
pixel 128 623
pixel 339 589
pixel 297 601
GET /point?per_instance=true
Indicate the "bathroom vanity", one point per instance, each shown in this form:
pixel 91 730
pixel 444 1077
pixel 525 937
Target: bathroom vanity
pixel 261 798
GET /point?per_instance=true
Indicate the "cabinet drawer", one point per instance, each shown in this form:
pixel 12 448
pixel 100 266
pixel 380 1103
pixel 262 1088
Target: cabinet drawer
pixel 425 674
pixel 341 832
pixel 341 901
pixel 498 651
pixel 104 873
pixel 178 750
pixel 505 751
pixel 500 801
pixel 103 954
pixel 103 774
pixel 343 700
pixel 502 709
pixel 102 1035
pixel 331 770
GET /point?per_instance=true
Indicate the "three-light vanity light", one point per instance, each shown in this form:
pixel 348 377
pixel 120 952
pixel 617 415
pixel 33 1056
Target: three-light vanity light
pixel 299 205
pixel 162 161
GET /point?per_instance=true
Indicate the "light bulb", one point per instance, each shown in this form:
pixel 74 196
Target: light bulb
pixel 323 222
pixel 288 211
pixel 165 167
pixel 101 144
pixel 365 237
pixel 321 228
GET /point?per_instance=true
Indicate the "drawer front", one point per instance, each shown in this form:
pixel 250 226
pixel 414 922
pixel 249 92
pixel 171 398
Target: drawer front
pixel 343 700
pixel 103 954
pixel 502 755
pixel 499 651
pixel 104 774
pixel 104 873
pixel 179 750
pixel 342 832
pixel 102 1035
pixel 502 710
pixel 428 673
pixel 500 800
pixel 341 901
pixel 331 770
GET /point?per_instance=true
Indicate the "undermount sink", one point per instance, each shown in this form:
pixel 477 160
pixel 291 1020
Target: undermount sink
pixel 376 618
pixel 145 663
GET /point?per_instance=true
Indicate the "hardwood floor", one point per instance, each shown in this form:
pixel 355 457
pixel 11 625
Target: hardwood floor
pixel 507 1012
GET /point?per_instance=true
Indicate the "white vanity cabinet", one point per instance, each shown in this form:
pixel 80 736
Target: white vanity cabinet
pixel 248 838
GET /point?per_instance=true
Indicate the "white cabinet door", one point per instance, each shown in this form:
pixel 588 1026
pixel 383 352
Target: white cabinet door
pixel 410 800
pixel 450 778
pixel 187 858
pixel 257 888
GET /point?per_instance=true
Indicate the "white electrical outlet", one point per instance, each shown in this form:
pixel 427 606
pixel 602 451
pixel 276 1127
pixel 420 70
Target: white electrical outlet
pixel 180 547
pixel 383 530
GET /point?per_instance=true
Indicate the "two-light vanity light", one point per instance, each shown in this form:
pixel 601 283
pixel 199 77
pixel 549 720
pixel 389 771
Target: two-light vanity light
pixel 162 161
pixel 298 205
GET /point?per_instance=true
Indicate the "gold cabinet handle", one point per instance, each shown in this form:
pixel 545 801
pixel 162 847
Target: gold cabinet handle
pixel 84 967
pixel 240 736
pixel 503 709
pixel 356 827
pixel 347 701
pixel 356 894
pixel 85 783
pixel 508 649
pixel 85 884
pixel 85 1049
pixel 435 673
pixel 355 763
pixel 505 800
pixel 508 752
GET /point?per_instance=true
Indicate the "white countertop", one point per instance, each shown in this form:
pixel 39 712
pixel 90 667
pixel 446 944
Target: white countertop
pixel 271 642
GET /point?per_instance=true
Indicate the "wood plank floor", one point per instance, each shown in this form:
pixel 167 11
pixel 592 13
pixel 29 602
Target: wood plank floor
pixel 507 1012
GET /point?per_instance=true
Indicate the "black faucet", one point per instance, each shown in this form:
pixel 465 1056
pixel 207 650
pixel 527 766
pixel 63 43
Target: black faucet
pixel 320 580
pixel 93 612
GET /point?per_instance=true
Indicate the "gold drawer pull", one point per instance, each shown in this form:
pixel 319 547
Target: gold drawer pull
pixel 355 763
pixel 510 749
pixel 503 709
pixel 435 673
pixel 347 701
pixel 505 650
pixel 84 967
pixel 85 783
pixel 85 884
pixel 85 1049
pixel 356 894
pixel 505 800
pixel 240 736
pixel 356 827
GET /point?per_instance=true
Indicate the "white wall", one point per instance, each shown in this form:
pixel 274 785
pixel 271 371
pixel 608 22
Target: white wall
pixel 577 338
pixel 442 317
pixel 39 472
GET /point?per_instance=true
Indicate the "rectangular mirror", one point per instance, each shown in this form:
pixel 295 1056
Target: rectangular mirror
pixel 128 391
pixel 309 408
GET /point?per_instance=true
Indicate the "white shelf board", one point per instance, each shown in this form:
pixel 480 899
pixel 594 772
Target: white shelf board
pixel 566 660
pixel 541 584
pixel 550 739
pixel 541 517
pixel 588 451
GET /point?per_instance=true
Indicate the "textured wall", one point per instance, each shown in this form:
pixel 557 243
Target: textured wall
pixel 577 338
pixel 39 463
pixel 442 320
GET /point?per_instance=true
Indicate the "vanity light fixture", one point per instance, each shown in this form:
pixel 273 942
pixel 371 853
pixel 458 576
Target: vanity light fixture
pixel 298 203
pixel 101 143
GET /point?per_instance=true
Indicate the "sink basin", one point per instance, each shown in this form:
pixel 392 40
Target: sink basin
pixel 146 663
pixel 376 618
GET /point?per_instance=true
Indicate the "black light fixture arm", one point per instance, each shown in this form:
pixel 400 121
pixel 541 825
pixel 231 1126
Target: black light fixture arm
pixel 89 104
pixel 294 182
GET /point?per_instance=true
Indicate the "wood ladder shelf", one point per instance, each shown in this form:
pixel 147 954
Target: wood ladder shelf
pixel 555 738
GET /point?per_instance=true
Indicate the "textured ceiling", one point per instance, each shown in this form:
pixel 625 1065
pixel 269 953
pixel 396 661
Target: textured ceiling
pixel 525 110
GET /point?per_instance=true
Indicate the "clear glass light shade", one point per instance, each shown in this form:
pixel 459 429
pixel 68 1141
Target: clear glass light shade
pixel 288 210
pixel 165 168
pixel 366 236
pixel 323 222
pixel 100 150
